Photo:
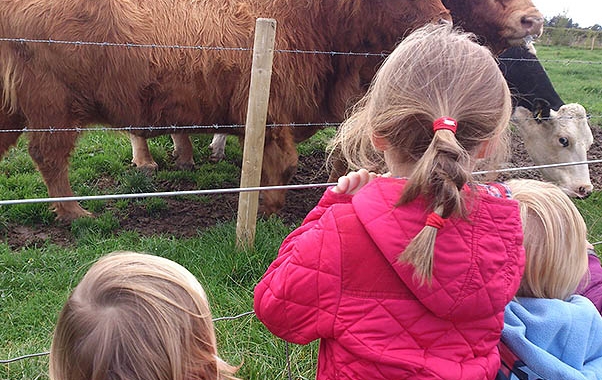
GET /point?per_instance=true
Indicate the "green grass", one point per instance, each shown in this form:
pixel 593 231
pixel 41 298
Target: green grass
pixel 591 209
pixel 575 80
pixel 318 142
pixel 35 281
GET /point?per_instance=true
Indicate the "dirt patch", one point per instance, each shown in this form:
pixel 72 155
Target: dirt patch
pixel 184 218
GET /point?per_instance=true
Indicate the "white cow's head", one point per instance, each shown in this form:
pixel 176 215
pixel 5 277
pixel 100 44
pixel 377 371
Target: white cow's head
pixel 552 137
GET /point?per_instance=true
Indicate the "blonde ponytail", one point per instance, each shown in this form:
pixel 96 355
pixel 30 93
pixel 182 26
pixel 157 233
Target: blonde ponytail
pixel 435 71
pixel 439 176
pixel 419 253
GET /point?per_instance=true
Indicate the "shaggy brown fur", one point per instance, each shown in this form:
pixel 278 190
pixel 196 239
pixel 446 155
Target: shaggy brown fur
pixel 63 86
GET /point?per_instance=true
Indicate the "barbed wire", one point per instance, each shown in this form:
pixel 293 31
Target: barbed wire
pixel 216 128
pixel 247 189
pixel 127 45
pixel 567 61
pixel 29 356
pixel 130 45
pixel 332 53
pixel 171 128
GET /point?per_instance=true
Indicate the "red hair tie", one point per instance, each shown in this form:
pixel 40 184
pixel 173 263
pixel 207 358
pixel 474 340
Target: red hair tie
pixel 445 123
pixel 435 220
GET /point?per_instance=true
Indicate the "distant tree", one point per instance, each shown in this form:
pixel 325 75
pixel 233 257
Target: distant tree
pixel 561 21
pixel 596 27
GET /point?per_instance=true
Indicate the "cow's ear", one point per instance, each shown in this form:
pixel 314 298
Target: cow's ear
pixel 541 110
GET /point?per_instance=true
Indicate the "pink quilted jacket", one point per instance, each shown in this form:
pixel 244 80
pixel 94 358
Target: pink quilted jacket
pixel 337 279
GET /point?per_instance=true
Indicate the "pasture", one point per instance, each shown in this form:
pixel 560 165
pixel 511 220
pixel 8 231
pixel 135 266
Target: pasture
pixel 41 260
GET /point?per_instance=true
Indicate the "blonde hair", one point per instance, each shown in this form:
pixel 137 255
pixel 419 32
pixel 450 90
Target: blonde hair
pixel 136 316
pixel 555 240
pixel 436 71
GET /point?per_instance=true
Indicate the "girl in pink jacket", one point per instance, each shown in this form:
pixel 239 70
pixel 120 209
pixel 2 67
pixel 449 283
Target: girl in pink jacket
pixel 406 275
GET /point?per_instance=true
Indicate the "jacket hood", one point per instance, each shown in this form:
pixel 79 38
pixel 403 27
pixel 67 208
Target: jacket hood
pixel 556 339
pixel 468 254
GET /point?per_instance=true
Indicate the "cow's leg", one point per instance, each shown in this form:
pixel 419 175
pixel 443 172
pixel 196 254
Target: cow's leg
pixel 280 160
pixel 50 152
pixel 182 151
pixel 141 156
pixel 339 167
pixel 8 139
pixel 218 147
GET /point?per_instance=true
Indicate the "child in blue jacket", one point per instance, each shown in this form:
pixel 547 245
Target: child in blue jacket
pixel 554 333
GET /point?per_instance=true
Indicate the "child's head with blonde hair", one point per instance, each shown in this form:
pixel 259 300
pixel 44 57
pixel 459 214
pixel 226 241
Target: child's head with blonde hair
pixel 435 72
pixel 136 316
pixel 555 240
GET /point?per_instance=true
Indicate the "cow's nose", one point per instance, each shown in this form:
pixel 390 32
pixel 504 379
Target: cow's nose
pixel 533 25
pixel 584 191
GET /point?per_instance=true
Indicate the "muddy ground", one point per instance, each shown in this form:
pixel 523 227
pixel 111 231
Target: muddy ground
pixel 182 218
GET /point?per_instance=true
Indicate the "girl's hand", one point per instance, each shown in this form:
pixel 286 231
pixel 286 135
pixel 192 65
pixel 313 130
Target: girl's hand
pixel 353 182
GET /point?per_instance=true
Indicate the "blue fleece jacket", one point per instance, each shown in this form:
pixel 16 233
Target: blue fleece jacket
pixel 554 338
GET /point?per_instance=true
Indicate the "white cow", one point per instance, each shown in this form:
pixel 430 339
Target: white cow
pixel 563 136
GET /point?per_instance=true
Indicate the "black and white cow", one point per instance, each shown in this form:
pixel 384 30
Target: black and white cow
pixel 527 78
pixel 553 132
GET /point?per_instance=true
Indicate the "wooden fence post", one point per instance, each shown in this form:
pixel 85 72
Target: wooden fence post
pixel 259 93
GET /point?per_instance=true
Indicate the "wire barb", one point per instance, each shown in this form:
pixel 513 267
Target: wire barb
pixel 130 45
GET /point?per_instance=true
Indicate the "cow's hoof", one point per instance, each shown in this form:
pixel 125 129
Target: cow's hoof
pixel 187 166
pixel 266 210
pixel 67 212
pixel 216 157
pixel 147 168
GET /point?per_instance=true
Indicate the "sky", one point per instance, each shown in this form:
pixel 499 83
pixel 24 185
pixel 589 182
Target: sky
pixel 584 12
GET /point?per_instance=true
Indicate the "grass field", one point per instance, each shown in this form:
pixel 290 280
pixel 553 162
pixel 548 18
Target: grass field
pixel 575 74
pixel 35 281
